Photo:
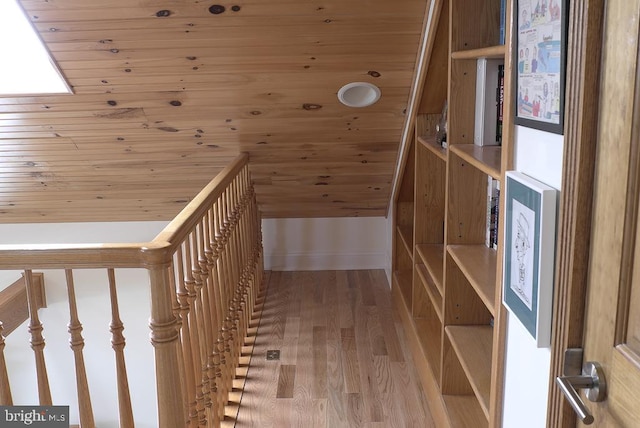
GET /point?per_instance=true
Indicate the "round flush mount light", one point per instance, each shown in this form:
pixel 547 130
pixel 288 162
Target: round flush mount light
pixel 359 94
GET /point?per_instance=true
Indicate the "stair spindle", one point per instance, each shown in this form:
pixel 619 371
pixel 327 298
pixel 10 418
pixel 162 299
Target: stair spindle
pixel 118 343
pixel 77 344
pixel 185 272
pixel 6 398
pixel 37 342
pixel 187 347
pixel 194 278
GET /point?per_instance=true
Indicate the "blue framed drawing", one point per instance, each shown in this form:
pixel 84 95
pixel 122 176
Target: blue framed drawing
pixel 528 265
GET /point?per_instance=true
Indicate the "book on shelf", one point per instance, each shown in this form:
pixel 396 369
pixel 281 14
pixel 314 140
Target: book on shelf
pixel 493 204
pixel 500 102
pixel 486 105
pixel 503 20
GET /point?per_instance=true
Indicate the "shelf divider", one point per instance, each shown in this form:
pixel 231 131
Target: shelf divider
pixel 478 264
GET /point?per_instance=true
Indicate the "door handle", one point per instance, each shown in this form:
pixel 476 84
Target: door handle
pixel 593 380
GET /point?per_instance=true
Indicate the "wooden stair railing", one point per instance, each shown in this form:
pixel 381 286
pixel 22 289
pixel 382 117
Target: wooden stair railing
pixel 205 274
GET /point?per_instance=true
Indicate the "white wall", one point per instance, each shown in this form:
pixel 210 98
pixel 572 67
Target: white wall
pixel 95 315
pixel 74 233
pixel 325 243
pixel 539 155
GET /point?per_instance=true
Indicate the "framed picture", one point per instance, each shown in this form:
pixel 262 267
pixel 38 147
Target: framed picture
pixel 540 57
pixel 530 230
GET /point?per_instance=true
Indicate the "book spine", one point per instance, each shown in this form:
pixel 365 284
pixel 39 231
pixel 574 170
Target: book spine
pixel 493 198
pixel 479 125
pixel 495 214
pixel 486 107
pixel 500 104
pixel 487 241
pixel 503 20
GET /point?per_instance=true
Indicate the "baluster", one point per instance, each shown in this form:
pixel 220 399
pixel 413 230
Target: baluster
pixel 246 248
pixel 77 344
pixel 165 340
pixel 194 326
pixel 259 269
pixel 256 242
pixel 230 303
pixel 217 350
pixel 187 349
pixel 176 312
pixel 37 342
pixel 247 240
pixel 5 388
pixel 235 268
pixel 201 274
pixel 195 282
pixel 223 333
pixel 118 343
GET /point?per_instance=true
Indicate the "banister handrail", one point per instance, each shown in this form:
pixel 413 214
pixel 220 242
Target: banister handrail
pixel 75 256
pixel 123 255
pixel 205 272
pixel 186 220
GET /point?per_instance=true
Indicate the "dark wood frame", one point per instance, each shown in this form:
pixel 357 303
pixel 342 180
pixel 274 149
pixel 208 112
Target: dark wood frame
pixel 584 47
pixel 533 123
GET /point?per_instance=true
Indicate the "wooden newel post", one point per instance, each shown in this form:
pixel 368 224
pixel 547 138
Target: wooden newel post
pixel 164 337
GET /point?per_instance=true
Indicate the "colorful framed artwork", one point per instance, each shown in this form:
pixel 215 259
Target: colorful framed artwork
pixel 541 59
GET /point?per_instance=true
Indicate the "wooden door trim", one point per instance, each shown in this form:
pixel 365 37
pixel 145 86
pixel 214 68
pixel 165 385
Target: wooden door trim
pixel 572 251
pixel 630 218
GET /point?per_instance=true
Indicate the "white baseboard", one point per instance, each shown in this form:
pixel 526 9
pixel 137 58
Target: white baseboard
pixel 324 261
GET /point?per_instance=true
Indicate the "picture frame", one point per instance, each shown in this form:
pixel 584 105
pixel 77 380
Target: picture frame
pixel 528 256
pixel 540 59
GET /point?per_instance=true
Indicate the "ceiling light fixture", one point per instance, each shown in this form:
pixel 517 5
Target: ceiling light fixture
pixel 359 94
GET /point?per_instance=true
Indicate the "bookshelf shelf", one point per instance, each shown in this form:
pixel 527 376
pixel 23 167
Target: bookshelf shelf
pixel 486 158
pixel 402 280
pixel 432 255
pixel 447 281
pixel 430 144
pixel 464 411
pixel 406 236
pixel 429 330
pixel 473 346
pixel 497 51
pixel 478 265
pixel 434 295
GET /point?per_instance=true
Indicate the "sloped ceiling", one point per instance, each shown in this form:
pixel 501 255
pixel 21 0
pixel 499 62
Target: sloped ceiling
pixel 168 92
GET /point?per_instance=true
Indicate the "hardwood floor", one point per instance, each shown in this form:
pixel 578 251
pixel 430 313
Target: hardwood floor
pixel 343 359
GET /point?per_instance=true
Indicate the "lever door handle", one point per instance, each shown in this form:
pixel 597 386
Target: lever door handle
pixel 592 379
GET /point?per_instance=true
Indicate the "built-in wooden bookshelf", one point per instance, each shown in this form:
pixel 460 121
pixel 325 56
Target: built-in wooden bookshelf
pixel 447 281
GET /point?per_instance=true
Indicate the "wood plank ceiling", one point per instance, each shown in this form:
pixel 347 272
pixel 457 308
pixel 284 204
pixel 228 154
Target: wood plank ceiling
pixel 166 93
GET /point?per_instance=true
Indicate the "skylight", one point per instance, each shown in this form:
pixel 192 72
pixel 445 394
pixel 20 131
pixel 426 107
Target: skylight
pixel 26 65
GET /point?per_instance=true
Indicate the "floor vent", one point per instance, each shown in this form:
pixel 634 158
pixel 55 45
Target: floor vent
pixel 273 355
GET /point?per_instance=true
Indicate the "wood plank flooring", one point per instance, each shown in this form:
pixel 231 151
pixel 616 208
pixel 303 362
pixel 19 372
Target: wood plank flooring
pixel 343 359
